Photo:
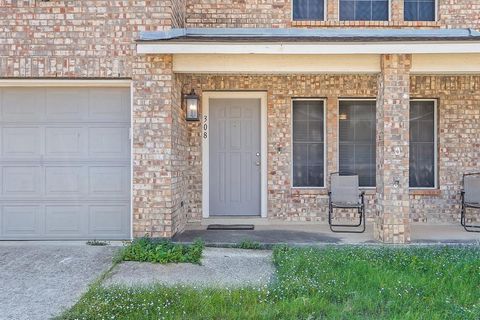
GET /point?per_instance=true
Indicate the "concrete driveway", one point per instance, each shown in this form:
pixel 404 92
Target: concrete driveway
pixel 38 280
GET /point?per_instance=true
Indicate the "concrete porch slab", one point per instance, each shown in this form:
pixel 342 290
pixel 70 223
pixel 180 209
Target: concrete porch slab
pixel 317 234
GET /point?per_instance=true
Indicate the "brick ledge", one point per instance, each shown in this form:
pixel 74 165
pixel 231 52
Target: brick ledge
pixel 425 192
pixel 384 24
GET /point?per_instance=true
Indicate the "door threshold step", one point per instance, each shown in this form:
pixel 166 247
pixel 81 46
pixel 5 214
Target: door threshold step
pixel 230 227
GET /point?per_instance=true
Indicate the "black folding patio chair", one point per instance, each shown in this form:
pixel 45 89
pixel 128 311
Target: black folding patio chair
pixel 345 194
pixel 470 195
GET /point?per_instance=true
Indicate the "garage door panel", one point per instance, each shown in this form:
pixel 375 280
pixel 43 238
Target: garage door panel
pixel 66 104
pixel 108 219
pixel 111 142
pixel 21 142
pixel 65 142
pixel 64 220
pixel 111 105
pixel 65 163
pixel 21 220
pixel 64 181
pixel 22 181
pixel 22 104
pixel 109 181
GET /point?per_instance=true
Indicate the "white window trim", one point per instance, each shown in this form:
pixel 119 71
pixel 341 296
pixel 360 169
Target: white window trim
pixel 389 13
pixel 338 134
pixel 324 12
pixel 435 140
pixel 262 95
pixel 325 141
pixel 435 14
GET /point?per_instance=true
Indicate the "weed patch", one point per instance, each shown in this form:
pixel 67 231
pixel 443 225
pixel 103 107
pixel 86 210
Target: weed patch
pixel 162 251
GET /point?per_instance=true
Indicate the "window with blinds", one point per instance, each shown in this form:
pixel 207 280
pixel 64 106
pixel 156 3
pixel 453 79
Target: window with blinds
pixel 364 10
pixel 422 144
pixel 357 141
pixel 419 10
pixel 308 10
pixel 308 143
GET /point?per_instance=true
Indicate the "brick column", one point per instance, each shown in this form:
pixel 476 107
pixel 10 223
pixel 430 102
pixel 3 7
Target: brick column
pixel 392 215
pixel 155 120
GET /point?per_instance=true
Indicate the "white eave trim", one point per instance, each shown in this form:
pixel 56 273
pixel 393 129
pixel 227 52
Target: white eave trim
pixel 65 82
pixel 308 47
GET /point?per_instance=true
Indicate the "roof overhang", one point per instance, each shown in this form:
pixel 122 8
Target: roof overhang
pixel 307 48
pixel 308 41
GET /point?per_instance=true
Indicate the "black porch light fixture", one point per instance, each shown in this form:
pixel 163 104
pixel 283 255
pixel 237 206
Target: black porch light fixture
pixel 192 106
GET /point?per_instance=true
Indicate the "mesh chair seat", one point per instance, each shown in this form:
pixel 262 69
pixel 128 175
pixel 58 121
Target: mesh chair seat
pixel 346 205
pixel 472 204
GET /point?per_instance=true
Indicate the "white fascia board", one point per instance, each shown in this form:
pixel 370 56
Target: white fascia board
pixel 308 48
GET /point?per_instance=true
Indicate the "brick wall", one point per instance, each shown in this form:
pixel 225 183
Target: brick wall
pixel 179 161
pixel 277 14
pixel 152 145
pixel 78 38
pixel 458 129
pixel 458 140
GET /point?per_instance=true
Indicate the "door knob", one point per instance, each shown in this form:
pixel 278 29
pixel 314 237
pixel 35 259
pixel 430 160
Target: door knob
pixel 257 163
pixel 258 154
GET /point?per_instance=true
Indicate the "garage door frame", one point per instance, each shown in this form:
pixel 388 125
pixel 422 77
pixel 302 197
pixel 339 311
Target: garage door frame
pixel 93 83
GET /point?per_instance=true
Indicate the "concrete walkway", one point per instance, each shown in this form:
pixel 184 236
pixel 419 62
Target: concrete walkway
pixel 39 280
pixel 319 234
pixel 220 268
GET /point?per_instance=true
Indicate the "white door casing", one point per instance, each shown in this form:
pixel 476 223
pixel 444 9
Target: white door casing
pixel 206 96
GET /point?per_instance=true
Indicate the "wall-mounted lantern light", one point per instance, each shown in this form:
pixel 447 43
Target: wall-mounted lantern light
pixel 192 106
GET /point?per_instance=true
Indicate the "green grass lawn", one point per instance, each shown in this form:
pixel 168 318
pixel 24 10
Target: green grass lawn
pixel 330 283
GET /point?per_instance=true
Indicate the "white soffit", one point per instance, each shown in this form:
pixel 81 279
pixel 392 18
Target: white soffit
pixel 346 64
pixel 446 63
pixel 412 47
pixel 215 63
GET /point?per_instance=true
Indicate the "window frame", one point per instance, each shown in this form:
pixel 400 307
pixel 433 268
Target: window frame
pixel 338 134
pixel 435 14
pixel 435 142
pixel 389 13
pixel 325 156
pixel 324 12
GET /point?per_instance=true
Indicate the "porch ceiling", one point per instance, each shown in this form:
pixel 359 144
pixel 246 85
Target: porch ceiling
pixel 315 64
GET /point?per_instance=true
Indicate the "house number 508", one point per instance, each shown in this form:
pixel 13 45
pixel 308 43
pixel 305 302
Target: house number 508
pixel 205 127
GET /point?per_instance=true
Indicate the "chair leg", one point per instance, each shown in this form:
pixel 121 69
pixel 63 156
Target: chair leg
pixel 360 223
pixel 463 221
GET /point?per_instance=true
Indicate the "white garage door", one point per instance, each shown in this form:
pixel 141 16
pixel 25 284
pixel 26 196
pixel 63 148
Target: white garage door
pixel 65 163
